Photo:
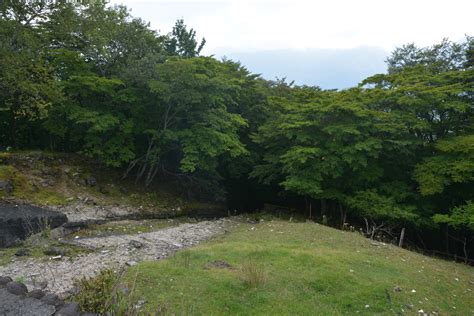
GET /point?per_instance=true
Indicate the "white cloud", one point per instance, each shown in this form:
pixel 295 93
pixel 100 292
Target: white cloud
pixel 244 25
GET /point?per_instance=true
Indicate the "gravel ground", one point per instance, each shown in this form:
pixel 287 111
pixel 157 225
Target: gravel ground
pixel 82 211
pixel 111 252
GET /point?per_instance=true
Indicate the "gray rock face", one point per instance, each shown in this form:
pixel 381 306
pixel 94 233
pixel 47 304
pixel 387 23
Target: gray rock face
pixel 19 221
pixel 13 305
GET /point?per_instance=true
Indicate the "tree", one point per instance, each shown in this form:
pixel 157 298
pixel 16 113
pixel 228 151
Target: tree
pixel 182 42
pixel 444 56
pixel 27 86
pixel 188 127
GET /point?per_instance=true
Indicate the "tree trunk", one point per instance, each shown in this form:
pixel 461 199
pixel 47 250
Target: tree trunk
pixel 466 260
pixel 447 239
pixel 323 206
pixel 402 236
pixel 343 215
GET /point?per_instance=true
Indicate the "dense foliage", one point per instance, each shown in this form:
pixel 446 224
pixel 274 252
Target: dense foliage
pixel 395 152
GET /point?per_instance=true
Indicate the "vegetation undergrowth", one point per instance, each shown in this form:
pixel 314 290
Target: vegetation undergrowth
pixel 283 268
pixel 35 247
pixel 45 178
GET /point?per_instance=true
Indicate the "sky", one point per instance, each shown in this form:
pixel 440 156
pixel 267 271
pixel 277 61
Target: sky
pixel 285 30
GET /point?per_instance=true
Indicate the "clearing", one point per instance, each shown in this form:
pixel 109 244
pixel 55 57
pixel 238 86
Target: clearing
pixel 283 268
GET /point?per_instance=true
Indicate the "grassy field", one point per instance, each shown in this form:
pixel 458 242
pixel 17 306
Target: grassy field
pixel 282 268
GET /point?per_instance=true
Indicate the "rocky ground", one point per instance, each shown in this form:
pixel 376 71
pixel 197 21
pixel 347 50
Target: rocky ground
pixel 96 203
pixel 59 272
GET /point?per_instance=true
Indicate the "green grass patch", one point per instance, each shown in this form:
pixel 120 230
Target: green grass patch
pixel 35 245
pixel 282 268
pixel 26 190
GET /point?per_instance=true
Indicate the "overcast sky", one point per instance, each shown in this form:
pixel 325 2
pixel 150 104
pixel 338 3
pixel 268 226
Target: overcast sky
pixel 242 26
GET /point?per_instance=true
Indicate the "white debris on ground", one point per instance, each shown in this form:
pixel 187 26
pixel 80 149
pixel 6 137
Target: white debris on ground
pixel 81 211
pixel 110 252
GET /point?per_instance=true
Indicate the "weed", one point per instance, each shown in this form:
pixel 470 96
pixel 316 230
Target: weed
pixel 105 294
pixel 96 293
pixel 252 274
pixel 186 258
pixel 45 228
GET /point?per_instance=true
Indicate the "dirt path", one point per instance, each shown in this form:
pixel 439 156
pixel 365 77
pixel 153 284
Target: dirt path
pixel 111 252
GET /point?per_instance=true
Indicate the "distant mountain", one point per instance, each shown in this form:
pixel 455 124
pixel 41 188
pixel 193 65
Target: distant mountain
pixel 327 68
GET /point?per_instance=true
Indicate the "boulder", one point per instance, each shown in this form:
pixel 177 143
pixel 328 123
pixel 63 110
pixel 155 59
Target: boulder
pixel 4 280
pixel 6 185
pixel 16 288
pixel 22 252
pixel 36 293
pixel 19 221
pixel 91 181
pixel 135 244
pixel 11 304
pixel 52 299
pixel 55 251
pixel 70 309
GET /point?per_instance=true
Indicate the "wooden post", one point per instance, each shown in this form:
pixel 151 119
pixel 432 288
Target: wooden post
pixel 402 235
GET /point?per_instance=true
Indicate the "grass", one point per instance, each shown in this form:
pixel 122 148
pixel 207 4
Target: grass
pixel 36 245
pixel 283 268
pixel 25 190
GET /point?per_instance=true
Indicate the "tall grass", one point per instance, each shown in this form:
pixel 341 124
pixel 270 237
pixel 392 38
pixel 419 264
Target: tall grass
pixel 252 274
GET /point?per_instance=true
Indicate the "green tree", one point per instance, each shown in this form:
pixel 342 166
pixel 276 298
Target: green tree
pixel 182 42
pixel 188 126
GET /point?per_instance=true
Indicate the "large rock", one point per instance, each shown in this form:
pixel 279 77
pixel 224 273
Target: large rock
pixel 6 186
pixel 14 305
pixel 4 280
pixel 19 221
pixel 52 299
pixel 70 309
pixel 16 288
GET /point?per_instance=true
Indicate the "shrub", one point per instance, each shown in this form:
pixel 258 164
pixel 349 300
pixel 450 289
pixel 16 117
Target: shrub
pixel 95 294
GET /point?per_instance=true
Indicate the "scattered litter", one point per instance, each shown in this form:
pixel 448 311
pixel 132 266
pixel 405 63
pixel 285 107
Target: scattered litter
pixel 131 263
pixel 413 291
